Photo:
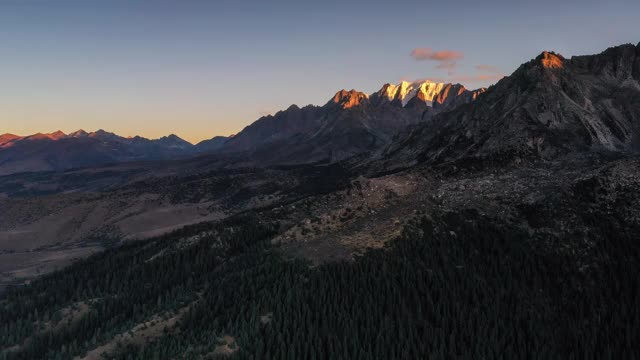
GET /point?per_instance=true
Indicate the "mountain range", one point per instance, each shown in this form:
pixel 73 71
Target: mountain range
pixel 423 220
pixel 549 107
pixel 350 123
pixel 59 151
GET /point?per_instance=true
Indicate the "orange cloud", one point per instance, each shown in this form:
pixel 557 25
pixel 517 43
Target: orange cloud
pixel 446 58
pixel 442 55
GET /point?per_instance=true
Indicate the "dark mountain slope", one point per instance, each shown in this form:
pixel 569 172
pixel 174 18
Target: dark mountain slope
pixel 548 107
pixel 58 151
pixel 211 145
pixel 456 283
pixel 350 123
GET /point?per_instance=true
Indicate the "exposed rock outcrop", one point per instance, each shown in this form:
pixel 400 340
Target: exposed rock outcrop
pixel 548 107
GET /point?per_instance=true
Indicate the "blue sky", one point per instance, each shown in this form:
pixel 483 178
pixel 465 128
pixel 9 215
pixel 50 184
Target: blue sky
pixel 201 68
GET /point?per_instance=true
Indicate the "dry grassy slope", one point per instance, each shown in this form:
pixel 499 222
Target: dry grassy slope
pixel 545 198
pixel 41 233
pixel 337 225
pixel 61 232
pixel 39 223
pixel 49 232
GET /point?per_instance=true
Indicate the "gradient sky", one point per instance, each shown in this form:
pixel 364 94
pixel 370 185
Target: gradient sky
pixel 201 68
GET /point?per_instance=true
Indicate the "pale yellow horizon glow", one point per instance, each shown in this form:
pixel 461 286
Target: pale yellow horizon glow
pixel 193 116
pixel 193 136
pixel 192 128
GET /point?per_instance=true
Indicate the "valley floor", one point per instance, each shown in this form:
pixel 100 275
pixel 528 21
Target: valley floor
pixel 515 261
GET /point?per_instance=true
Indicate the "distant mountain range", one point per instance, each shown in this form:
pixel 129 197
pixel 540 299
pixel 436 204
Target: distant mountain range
pixel 548 107
pixel 60 151
pixel 350 123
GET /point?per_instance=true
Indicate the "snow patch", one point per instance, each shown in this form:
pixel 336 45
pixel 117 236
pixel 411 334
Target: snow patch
pixel 405 91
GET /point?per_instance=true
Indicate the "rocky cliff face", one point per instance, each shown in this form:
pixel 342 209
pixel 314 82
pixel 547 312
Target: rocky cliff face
pixel 211 145
pixel 424 93
pixel 350 123
pixel 548 107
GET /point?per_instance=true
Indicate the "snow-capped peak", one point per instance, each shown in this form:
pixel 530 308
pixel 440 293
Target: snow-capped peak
pixel 405 91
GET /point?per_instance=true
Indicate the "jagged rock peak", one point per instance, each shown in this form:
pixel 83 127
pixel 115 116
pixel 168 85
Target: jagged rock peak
pixel 79 133
pixel 620 62
pixel 405 91
pixel 551 60
pixel 57 135
pixel 5 138
pixel 348 99
pixel 548 108
pixel 424 92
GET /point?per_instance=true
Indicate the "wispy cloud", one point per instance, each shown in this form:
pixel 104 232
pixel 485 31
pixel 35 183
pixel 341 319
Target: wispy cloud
pixel 442 55
pixel 446 59
pixel 448 66
pixel 476 78
pixel 484 73
pixel 488 69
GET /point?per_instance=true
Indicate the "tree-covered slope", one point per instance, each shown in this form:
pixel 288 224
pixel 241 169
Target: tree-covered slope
pixel 456 285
